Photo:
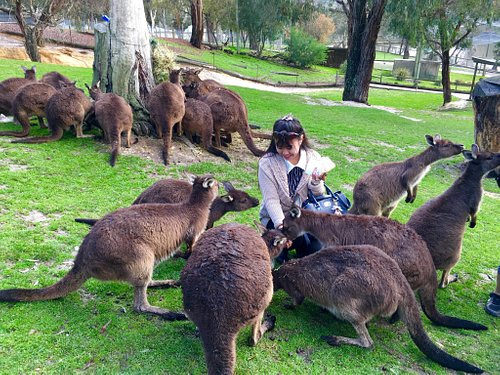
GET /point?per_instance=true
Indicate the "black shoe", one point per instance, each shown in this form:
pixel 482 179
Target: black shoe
pixel 493 305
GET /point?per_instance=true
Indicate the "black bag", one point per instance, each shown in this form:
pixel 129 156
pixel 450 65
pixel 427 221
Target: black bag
pixel 332 203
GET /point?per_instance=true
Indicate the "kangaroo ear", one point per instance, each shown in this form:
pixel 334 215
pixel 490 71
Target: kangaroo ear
pixel 295 212
pixel 198 71
pixel 278 241
pixel 475 150
pixel 190 177
pixel 33 68
pixel 262 229
pixel 468 155
pixel 209 182
pixel 87 86
pixel 228 186
pixel 437 137
pixel 24 68
pixel 227 198
pixel 429 139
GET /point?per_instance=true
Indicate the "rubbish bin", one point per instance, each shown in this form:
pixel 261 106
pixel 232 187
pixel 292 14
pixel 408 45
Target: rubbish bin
pixel 486 103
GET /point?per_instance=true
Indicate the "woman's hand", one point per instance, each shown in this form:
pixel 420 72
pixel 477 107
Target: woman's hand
pixel 316 176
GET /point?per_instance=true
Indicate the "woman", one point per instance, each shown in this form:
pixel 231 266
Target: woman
pixel 282 176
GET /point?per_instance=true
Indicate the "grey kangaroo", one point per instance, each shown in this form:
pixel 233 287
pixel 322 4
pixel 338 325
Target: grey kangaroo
pixel 380 189
pixel 126 244
pixel 397 240
pixel 176 191
pixel 227 285
pixel 114 116
pixel 67 107
pixel 356 283
pixel 441 221
pixel 9 87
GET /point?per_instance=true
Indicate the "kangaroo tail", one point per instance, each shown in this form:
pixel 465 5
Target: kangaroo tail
pixel 261 135
pixel 69 283
pixel 409 313
pixel 428 301
pixel 86 221
pixel 247 138
pixel 115 146
pixel 57 134
pixel 220 351
pixel 215 151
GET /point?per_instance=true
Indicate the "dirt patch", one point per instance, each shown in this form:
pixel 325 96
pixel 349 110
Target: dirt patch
pixel 185 153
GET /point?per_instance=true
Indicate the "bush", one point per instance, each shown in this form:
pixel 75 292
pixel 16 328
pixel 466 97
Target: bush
pixel 343 68
pixel 163 61
pixel 303 50
pixel 402 73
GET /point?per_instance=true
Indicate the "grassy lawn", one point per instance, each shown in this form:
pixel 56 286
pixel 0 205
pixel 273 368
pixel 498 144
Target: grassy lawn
pixel 44 187
pixel 271 72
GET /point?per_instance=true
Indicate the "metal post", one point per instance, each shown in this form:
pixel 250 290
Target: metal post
pixel 473 81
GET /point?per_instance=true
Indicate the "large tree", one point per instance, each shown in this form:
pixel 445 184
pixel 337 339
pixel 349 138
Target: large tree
pixel 122 59
pixel 196 23
pixel 446 24
pixel 33 17
pixel 363 24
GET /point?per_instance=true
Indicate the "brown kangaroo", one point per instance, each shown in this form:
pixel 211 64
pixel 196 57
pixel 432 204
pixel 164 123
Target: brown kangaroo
pixel 67 107
pixel 197 121
pixel 380 189
pixel 9 87
pixel 194 86
pixel 54 79
pixel 397 240
pixel 226 285
pixel 166 108
pixel 126 244
pixel 114 116
pixel 356 283
pixel 229 113
pixel 441 221
pixel 30 100
pixel 176 191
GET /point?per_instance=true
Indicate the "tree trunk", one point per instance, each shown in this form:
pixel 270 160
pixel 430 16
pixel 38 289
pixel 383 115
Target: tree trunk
pixel 445 77
pixel 122 59
pixel 30 43
pixel 197 23
pixel 487 122
pixel 406 53
pixel 361 56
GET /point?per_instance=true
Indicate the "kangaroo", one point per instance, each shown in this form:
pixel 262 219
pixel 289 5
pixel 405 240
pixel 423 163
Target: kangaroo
pixel 441 221
pixel 166 107
pixel 67 107
pixel 227 285
pixel 356 283
pixel 176 191
pixel 30 100
pixel 114 116
pixel 194 86
pixel 229 113
pixel 379 190
pixel 197 121
pixel 9 87
pixel 126 244
pixel 397 240
pixel 54 79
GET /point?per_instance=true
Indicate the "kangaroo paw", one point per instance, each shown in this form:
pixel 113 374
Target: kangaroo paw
pixel 331 340
pixel 171 316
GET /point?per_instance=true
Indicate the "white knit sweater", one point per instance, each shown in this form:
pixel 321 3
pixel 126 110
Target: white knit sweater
pixel 273 183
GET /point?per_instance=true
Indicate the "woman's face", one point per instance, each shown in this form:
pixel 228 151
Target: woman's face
pixel 291 149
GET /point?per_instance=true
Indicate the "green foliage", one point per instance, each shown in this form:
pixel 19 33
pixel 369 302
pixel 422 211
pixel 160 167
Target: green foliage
pixel 163 61
pixel 402 74
pixel 304 50
pixel 95 330
pixel 343 68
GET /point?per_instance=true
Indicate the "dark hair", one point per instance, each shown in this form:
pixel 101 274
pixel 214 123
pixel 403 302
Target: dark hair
pixel 287 125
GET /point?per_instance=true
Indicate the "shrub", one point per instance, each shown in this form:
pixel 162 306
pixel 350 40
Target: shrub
pixel 401 74
pixel 343 68
pixel 303 50
pixel 163 61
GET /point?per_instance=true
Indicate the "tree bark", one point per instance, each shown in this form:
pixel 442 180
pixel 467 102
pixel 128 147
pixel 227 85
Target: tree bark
pixel 30 44
pixel 445 77
pixel 197 23
pixel 487 122
pixel 361 57
pixel 122 59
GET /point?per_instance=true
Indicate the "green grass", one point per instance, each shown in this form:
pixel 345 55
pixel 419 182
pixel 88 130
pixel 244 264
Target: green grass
pixel 71 178
pixel 271 72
